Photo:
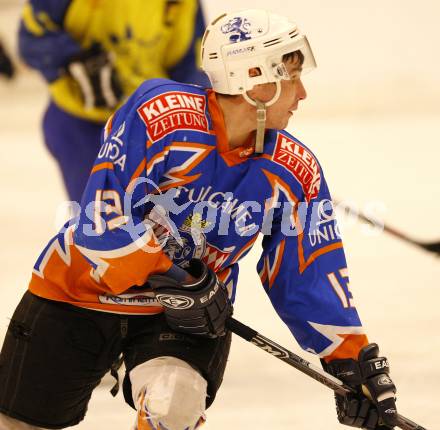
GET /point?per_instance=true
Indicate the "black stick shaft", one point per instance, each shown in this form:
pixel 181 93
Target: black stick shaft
pixel 302 365
pixel 433 247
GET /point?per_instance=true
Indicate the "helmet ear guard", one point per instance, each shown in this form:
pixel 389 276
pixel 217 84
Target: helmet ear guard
pixel 280 71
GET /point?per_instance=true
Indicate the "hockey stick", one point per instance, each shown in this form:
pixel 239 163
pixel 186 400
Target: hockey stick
pixel 433 247
pixel 302 365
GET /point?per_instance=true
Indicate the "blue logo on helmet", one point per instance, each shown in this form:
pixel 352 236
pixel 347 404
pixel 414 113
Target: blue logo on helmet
pixel 239 27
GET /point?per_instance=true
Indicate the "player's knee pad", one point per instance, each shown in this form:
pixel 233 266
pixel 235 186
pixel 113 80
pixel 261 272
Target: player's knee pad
pixel 8 423
pixel 169 394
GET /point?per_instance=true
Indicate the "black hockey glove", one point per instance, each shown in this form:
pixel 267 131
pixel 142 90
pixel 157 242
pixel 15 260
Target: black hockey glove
pixel 374 404
pixel 201 307
pixel 96 77
pixel 6 66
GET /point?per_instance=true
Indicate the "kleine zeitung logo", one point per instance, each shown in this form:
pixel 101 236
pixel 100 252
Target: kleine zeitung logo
pixel 301 163
pixel 174 110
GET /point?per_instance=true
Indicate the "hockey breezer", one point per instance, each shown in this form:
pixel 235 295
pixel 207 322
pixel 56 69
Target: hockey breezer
pixel 433 247
pixel 303 366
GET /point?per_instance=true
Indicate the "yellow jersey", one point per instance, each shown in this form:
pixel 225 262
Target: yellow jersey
pixel 146 39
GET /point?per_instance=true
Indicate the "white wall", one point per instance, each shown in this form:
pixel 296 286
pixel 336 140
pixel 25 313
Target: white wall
pixel 373 56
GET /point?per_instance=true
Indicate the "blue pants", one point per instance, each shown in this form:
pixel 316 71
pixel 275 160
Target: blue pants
pixel 74 143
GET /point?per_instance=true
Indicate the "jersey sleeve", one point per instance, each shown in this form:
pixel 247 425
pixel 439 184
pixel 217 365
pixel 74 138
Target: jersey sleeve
pixel 113 232
pixel 43 43
pixel 304 271
pixel 184 51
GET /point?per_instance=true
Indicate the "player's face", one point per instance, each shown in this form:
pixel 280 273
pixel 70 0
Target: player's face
pixel 292 91
pixel 279 114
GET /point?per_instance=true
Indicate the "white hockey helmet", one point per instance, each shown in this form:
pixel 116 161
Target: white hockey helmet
pixel 252 38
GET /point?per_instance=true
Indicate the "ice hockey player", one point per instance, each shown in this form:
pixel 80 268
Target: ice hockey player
pixel 149 268
pixel 93 54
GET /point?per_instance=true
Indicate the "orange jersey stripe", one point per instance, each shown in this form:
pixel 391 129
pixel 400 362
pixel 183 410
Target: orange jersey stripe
pixel 244 249
pixel 102 166
pixel 349 348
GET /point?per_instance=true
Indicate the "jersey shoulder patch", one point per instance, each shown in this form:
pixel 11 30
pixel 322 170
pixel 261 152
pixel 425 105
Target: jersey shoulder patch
pixel 300 162
pixel 174 109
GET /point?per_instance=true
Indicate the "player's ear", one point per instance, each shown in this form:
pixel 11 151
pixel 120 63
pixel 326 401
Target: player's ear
pixel 254 71
pixel 254 92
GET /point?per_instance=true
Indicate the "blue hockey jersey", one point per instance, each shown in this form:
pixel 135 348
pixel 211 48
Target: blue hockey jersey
pixel 166 188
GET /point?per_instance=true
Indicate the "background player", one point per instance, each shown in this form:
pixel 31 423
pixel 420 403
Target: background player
pixel 93 55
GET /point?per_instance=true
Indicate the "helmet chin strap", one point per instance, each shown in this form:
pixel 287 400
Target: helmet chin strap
pixel 261 116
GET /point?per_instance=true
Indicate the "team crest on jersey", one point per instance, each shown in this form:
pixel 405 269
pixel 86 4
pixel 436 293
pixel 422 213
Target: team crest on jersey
pixel 300 162
pixel 174 110
pixel 215 257
pixel 184 246
pixel 190 242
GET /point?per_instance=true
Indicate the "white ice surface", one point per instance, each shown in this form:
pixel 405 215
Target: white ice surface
pixel 387 158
